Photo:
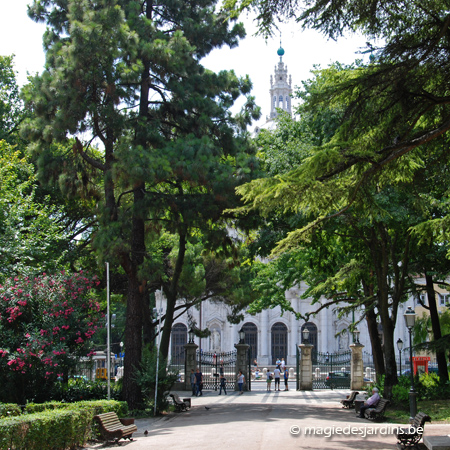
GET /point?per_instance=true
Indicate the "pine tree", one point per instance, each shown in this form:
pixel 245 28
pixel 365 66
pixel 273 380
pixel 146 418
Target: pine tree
pixel 124 79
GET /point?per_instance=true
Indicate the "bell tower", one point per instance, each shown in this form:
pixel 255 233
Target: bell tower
pixel 280 88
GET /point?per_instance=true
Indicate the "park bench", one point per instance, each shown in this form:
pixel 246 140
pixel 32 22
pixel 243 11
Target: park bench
pixel 410 436
pixel 180 405
pixel 112 429
pixel 349 402
pixel 377 413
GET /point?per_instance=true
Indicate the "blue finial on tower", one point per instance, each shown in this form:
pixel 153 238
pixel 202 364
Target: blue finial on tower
pixel 280 51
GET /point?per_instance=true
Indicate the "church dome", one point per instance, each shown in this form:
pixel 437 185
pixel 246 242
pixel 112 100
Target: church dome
pixel 280 51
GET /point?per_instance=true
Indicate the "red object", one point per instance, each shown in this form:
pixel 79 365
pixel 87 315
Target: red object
pixel 420 361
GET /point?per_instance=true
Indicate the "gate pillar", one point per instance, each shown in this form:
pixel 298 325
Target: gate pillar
pixel 356 367
pixel 190 363
pixel 306 373
pixel 242 364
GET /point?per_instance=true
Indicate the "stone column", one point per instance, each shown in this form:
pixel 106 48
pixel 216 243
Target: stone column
pixel 357 369
pixel 242 364
pixel 190 363
pixel 306 375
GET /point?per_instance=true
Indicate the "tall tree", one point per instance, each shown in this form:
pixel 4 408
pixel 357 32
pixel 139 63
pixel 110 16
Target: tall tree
pixel 125 76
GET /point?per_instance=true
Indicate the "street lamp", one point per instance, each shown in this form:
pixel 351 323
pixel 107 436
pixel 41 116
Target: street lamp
pixel 400 348
pixel 356 334
pixel 305 334
pixel 191 336
pixel 241 336
pixel 410 318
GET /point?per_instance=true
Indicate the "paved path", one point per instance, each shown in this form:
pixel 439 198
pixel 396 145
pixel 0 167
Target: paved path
pixel 261 420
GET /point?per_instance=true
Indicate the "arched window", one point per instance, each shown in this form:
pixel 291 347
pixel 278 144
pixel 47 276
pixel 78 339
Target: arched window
pixel 279 341
pixel 178 340
pixel 251 338
pixel 280 102
pixel 274 101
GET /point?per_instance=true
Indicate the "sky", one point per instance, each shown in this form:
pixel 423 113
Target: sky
pixel 255 56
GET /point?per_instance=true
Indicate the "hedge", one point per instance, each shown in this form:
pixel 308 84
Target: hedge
pixel 57 426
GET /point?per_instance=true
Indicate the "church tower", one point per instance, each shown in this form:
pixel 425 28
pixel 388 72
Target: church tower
pixel 280 88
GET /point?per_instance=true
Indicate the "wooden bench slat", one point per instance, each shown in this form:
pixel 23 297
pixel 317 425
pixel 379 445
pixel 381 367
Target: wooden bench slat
pixel 112 429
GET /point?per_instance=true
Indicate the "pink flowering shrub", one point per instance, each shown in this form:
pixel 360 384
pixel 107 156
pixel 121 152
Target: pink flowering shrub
pixel 46 324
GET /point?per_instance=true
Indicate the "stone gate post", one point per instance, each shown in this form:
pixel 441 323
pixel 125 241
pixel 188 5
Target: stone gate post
pixel 242 364
pixel 306 373
pixel 356 367
pixel 190 363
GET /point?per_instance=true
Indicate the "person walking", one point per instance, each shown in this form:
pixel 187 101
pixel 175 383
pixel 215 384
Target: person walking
pixel 240 381
pixel 269 380
pixel 223 384
pixel 276 376
pixel 286 378
pixel 198 382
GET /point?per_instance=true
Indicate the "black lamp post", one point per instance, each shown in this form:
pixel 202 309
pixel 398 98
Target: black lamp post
pixel 400 348
pixel 191 336
pixel 410 318
pixel 241 336
pixel 305 334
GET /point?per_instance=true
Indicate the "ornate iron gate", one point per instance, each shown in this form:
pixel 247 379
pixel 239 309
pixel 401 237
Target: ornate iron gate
pixel 211 364
pixel 331 370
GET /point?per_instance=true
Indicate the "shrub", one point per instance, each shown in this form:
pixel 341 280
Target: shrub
pixel 9 410
pixel 55 425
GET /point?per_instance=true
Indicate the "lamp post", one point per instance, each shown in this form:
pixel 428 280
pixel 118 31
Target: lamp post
pixel 410 318
pixel 356 334
pixel 241 336
pixel 400 348
pixel 305 335
pixel 191 336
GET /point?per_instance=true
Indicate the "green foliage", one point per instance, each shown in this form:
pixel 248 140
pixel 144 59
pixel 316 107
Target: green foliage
pixel 9 409
pixel 428 387
pixel 46 324
pixel 11 107
pixel 79 389
pixel 55 425
pixel 146 380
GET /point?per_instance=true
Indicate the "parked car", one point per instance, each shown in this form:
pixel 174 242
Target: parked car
pixel 338 379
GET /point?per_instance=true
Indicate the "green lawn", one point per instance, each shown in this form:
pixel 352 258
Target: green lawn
pixel 438 410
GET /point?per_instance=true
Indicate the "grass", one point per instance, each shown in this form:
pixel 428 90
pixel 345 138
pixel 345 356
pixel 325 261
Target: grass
pixel 438 410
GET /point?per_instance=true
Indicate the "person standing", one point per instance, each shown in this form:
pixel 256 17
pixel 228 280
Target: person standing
pixel 240 381
pixel 286 378
pixel 198 382
pixel 276 376
pixel 223 384
pixel 269 380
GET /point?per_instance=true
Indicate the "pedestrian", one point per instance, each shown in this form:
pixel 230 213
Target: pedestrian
pixel 223 384
pixel 276 376
pixel 269 380
pixel 193 382
pixel 240 381
pixel 282 365
pixel 198 382
pixel 286 378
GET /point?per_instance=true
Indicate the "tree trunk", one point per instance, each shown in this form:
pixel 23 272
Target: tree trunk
pixel 436 326
pixel 135 300
pixel 171 297
pixel 377 350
